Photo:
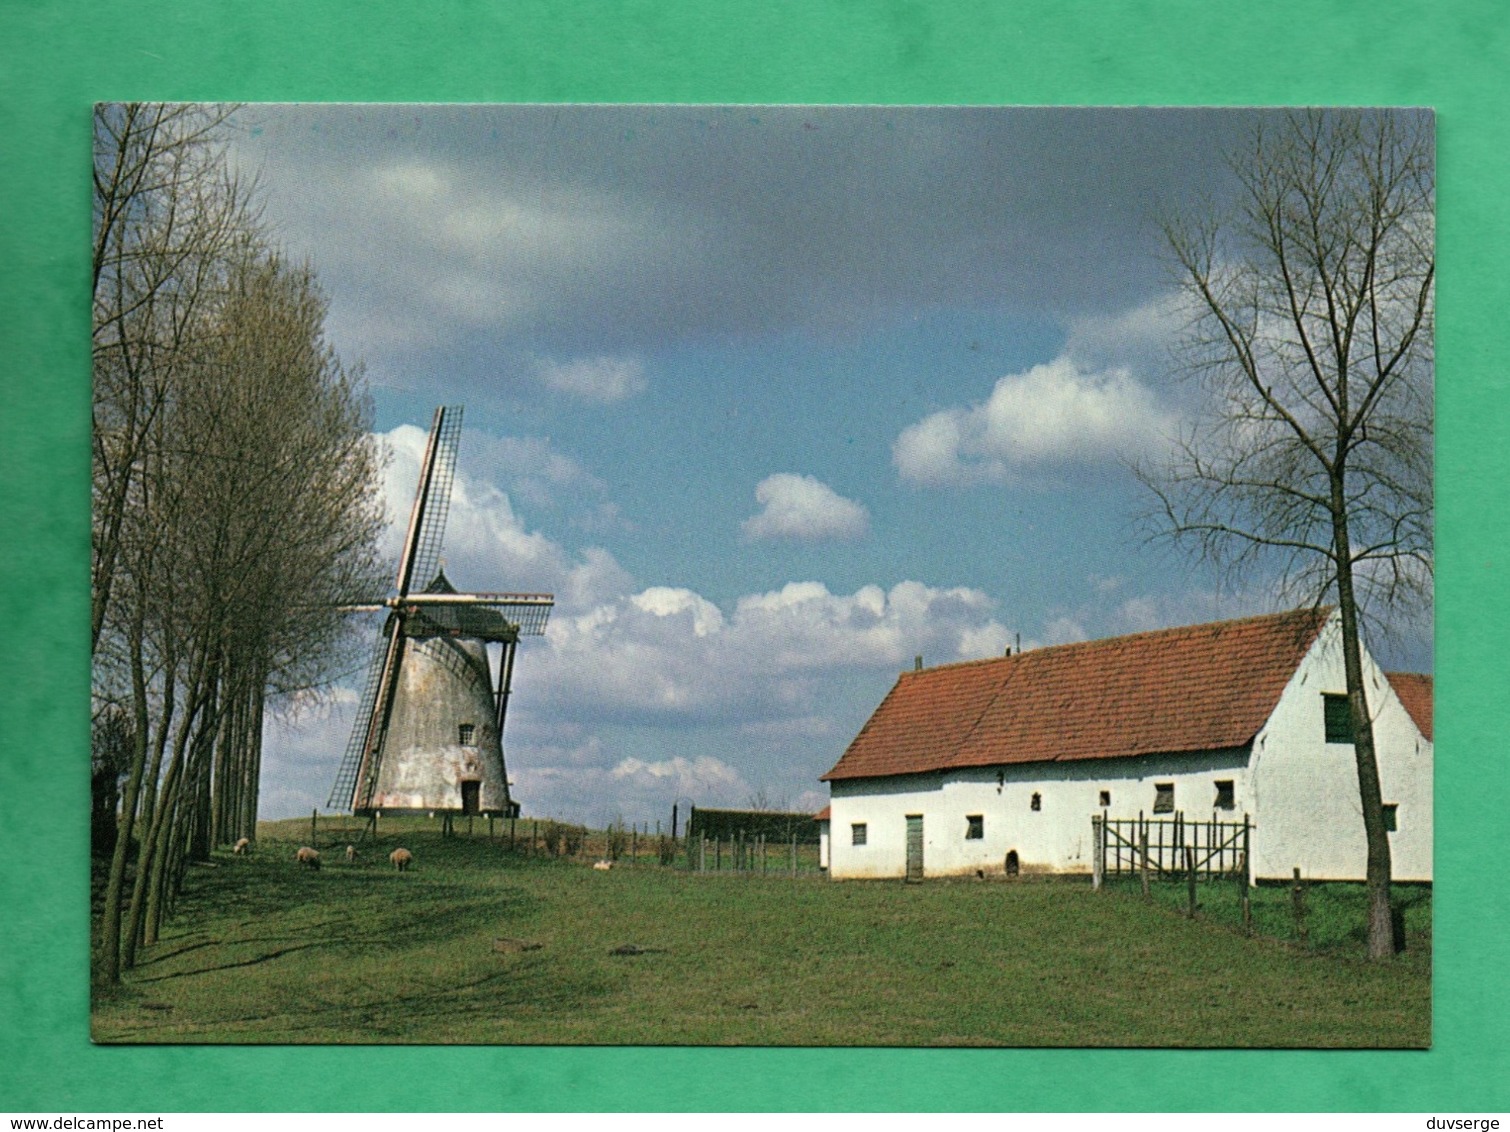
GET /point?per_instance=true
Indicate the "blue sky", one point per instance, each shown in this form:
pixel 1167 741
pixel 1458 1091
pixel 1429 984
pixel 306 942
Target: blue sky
pixel 772 399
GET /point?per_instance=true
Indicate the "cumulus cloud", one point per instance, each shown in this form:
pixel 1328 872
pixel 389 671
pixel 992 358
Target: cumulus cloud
pixel 803 508
pixel 601 379
pixel 1049 417
pixel 1139 338
pixel 668 656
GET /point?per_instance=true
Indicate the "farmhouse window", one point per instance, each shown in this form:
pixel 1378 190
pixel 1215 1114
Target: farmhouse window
pixel 1163 797
pixel 975 827
pixel 1224 795
pixel 1391 816
pixel 857 833
pixel 464 734
pixel 1339 718
pixel 1106 798
pixel 1036 803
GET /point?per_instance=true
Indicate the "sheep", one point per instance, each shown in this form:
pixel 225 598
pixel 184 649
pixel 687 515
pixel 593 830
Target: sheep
pixel 351 854
pixel 401 858
pixel 309 858
pixel 243 847
pixel 603 865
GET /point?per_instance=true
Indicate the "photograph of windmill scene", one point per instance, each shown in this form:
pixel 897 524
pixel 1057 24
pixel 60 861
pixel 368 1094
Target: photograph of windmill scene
pixel 762 575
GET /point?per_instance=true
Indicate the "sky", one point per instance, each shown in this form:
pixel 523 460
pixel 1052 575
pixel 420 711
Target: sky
pixel 773 399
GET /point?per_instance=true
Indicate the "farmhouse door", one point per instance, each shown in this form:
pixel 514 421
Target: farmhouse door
pixel 914 846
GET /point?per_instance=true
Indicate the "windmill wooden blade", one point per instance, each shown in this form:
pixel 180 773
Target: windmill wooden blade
pixel 367 734
pixel 343 793
pixel 432 501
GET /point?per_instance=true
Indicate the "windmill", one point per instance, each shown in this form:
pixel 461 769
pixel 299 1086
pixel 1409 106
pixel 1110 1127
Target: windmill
pixel 429 732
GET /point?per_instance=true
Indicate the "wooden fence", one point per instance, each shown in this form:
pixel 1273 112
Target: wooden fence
pixel 1157 846
pixel 758 854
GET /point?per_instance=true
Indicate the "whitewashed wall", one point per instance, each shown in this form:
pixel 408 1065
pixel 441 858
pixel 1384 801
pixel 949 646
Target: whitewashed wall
pixel 1306 790
pixel 1054 838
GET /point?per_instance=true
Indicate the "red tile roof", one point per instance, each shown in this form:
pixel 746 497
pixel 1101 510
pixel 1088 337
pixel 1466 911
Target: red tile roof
pixel 823 814
pixel 1201 687
pixel 1415 692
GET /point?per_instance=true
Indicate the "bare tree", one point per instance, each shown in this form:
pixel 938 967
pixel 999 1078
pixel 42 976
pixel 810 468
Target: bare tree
pixel 1311 333
pixel 166 213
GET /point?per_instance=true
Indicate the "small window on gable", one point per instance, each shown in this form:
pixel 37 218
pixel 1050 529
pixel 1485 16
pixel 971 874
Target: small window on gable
pixel 975 827
pixel 857 833
pixel 1225 799
pixel 464 733
pixel 1163 797
pixel 1339 718
pixel 1036 803
pixel 1391 816
pixel 1106 798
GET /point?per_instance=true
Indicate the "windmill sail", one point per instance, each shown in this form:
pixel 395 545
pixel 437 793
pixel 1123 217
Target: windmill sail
pixel 432 502
pixel 343 792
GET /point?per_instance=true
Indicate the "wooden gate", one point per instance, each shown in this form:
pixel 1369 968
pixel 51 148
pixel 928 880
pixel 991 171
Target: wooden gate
pixel 914 846
pixel 1125 845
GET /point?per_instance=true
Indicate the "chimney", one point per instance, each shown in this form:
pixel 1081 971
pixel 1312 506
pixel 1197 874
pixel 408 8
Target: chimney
pixel 917 663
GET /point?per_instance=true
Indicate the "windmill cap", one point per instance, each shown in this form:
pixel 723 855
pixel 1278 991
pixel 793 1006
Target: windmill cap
pixel 441 584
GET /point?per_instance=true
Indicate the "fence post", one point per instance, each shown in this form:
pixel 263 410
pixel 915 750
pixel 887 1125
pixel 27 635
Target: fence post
pixel 702 853
pixel 634 843
pixel 1298 907
pixel 1242 901
pixel 1143 860
pixel 314 816
pixel 1098 850
pixel 1190 877
pixel 794 856
pixel 1242 879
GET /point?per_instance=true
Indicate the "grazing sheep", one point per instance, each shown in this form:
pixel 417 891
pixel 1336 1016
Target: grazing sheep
pixel 604 865
pixel 243 847
pixel 351 853
pixel 309 858
pixel 401 858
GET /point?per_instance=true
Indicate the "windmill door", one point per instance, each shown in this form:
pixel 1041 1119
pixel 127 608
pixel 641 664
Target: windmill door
pixel 914 846
pixel 471 796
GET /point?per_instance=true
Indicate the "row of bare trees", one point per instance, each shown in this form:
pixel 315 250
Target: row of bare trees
pixel 235 502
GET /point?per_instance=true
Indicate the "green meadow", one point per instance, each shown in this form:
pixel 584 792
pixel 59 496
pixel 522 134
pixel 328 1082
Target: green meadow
pixel 478 944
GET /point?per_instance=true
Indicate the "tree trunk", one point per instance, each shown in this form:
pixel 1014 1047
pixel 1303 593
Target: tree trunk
pixel 115 885
pixel 1381 936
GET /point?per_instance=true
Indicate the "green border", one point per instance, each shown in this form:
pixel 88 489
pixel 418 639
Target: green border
pixel 59 57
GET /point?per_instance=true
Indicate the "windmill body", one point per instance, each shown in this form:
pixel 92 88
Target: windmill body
pixel 442 750
pixel 429 733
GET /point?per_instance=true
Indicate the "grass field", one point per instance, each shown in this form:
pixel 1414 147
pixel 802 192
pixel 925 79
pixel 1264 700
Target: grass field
pixel 262 951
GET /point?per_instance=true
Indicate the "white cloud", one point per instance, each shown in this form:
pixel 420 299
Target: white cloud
pixel 802 507
pixel 1051 416
pixel 602 379
pixel 1139 338
pixel 669 656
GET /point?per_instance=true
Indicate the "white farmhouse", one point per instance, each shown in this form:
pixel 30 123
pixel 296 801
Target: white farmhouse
pixel 998 765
